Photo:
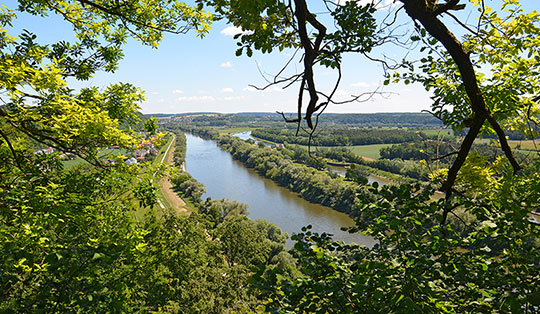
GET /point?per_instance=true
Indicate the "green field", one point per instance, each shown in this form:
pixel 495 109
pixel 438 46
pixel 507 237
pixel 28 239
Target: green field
pixel 229 131
pixel 442 133
pixel 371 151
pixel 68 164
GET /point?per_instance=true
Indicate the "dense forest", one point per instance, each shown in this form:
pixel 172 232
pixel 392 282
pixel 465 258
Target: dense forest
pixel 338 136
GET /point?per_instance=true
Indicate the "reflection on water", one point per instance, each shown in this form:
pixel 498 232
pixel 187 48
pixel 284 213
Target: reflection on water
pixel 244 135
pixel 228 178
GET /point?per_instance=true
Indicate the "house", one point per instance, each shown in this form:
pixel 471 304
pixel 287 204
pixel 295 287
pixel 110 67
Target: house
pixel 140 153
pixel 131 161
pixel 111 162
pixel 45 151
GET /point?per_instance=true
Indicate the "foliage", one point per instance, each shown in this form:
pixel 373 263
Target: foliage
pixel 188 186
pixel 508 80
pixel 338 136
pixel 315 186
pixel 483 264
pixel 78 235
pixel 38 101
pixel 179 149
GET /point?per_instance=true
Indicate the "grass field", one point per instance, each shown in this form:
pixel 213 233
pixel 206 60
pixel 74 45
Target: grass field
pixel 525 145
pixel 442 133
pixel 371 151
pixel 229 131
pixel 528 145
pixel 68 164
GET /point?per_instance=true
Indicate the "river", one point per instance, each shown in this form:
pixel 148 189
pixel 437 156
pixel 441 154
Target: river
pixel 225 177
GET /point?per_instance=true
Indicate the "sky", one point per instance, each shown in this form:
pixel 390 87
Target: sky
pixel 190 74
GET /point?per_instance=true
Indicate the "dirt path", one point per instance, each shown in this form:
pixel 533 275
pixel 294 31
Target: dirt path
pixel 367 158
pixel 171 197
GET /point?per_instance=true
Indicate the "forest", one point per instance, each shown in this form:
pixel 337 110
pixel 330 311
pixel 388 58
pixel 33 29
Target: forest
pixel 338 136
pixel 93 237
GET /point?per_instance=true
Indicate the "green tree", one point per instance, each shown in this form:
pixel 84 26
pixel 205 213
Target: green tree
pixel 69 239
pixel 150 125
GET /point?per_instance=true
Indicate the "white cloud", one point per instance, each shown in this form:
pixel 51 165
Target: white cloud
pixel 207 98
pixel 227 64
pixel 195 98
pixel 229 98
pixel 177 91
pixel 249 89
pixel 154 93
pixel 227 90
pixel 341 92
pixel 362 84
pixel 233 30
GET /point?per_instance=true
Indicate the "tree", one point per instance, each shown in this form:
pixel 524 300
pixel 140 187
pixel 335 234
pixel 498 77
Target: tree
pixel 466 252
pixel 70 240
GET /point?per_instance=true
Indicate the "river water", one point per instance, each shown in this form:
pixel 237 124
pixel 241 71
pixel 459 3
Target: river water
pixel 225 177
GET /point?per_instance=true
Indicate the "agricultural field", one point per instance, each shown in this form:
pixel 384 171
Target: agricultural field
pixel 370 151
pixel 525 145
pixel 442 133
pixel 234 130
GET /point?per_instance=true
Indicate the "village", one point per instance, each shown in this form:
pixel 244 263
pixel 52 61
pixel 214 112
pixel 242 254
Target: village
pixel 144 150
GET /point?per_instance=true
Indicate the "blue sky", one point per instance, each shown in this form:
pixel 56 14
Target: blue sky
pixel 189 74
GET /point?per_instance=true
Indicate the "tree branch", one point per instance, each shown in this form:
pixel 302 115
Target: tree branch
pixel 15 157
pixel 419 11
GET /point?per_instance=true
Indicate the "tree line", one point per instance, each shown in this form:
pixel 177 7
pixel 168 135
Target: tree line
pixel 278 165
pixel 407 168
pixel 338 136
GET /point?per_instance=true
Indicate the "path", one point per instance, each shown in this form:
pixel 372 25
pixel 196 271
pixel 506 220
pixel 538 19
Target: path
pixel 167 191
